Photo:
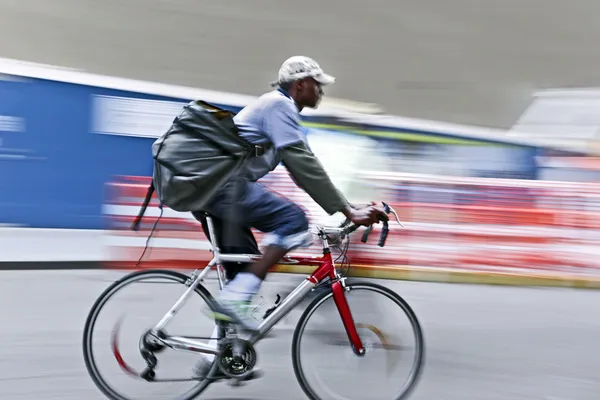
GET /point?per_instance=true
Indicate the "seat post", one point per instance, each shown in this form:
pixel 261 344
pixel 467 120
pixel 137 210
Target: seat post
pixel 216 252
pixel 213 237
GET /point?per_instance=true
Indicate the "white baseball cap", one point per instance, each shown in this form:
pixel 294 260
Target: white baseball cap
pixel 300 67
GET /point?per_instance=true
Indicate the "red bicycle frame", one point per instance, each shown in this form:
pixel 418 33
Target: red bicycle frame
pixel 326 269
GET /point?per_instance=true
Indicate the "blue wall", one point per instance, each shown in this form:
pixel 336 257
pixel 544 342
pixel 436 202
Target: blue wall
pixel 53 171
pixel 52 175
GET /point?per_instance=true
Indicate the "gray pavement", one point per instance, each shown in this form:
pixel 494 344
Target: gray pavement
pixel 483 342
pixel 463 61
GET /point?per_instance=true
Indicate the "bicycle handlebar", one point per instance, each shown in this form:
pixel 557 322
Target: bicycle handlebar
pixel 348 229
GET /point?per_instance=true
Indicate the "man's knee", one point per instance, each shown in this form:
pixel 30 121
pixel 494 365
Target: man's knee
pixel 297 219
pixel 292 230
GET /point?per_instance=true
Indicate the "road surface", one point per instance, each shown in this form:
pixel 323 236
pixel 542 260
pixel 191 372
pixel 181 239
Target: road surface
pixel 483 342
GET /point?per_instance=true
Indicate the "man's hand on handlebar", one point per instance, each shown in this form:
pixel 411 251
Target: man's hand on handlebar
pixel 366 216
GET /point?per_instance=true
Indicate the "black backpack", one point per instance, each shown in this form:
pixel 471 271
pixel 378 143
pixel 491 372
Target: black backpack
pixel 195 157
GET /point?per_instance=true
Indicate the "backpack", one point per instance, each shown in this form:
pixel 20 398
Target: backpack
pixel 195 157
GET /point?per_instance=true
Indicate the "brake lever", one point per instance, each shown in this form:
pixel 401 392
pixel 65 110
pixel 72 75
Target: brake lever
pixel 385 229
pixel 392 211
pixel 365 236
pixel 351 228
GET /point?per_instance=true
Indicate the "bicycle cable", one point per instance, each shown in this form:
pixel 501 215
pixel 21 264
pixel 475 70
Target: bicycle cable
pixel 345 263
pixel 137 265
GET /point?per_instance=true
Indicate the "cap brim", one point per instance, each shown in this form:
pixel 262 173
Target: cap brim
pixel 324 79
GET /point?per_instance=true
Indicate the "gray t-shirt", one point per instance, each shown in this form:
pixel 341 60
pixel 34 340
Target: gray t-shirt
pixel 273 118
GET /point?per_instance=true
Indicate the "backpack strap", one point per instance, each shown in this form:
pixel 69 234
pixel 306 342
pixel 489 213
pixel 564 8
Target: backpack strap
pixel 138 219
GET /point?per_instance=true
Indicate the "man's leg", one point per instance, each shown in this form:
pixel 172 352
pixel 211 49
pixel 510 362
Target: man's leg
pixel 286 226
pixel 246 244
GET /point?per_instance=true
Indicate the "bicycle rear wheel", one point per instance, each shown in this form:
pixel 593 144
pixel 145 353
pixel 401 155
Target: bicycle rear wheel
pixel 141 297
pixel 375 338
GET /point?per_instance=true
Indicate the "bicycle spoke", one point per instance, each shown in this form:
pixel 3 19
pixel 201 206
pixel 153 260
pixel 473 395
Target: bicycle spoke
pixel 146 365
pixel 374 336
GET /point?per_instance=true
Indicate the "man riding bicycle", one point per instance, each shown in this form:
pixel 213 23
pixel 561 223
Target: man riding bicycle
pixel 273 121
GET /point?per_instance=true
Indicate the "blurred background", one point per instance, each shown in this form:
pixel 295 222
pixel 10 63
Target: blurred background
pixel 478 121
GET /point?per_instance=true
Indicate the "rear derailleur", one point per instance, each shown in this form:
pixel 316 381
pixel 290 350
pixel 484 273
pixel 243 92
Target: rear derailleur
pixel 149 345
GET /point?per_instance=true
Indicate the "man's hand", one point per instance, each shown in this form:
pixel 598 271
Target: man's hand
pixel 366 216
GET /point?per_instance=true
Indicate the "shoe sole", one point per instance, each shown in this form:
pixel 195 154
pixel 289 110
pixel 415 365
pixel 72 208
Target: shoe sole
pixel 222 315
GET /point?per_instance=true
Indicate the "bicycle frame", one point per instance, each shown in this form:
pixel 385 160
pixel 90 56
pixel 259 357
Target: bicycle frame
pixel 325 269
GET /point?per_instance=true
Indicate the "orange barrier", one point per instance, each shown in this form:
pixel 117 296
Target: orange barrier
pixel 459 223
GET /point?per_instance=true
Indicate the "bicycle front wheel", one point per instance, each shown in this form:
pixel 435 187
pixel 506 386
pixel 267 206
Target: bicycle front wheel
pixel 389 330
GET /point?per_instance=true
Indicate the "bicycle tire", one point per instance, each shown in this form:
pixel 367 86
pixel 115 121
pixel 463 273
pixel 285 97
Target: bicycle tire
pixel 97 307
pixel 354 285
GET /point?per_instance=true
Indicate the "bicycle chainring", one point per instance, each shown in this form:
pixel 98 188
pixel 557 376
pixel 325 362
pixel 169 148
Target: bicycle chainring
pixel 237 358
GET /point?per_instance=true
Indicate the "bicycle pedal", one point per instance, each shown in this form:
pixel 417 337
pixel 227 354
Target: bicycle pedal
pixel 273 307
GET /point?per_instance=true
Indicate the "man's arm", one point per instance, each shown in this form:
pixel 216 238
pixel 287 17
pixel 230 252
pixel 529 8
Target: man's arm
pixel 309 174
pixel 282 126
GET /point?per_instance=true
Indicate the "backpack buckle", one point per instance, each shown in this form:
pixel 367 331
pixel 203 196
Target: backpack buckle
pixel 259 151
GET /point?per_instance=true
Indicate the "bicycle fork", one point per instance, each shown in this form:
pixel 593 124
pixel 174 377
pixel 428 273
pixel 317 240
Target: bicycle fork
pixel 339 296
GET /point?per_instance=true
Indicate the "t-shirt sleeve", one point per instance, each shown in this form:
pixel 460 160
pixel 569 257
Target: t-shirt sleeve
pixel 282 124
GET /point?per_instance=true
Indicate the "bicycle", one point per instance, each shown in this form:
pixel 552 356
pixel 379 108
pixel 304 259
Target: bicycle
pixel 234 355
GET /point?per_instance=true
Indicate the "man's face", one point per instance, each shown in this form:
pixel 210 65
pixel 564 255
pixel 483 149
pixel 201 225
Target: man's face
pixel 309 92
